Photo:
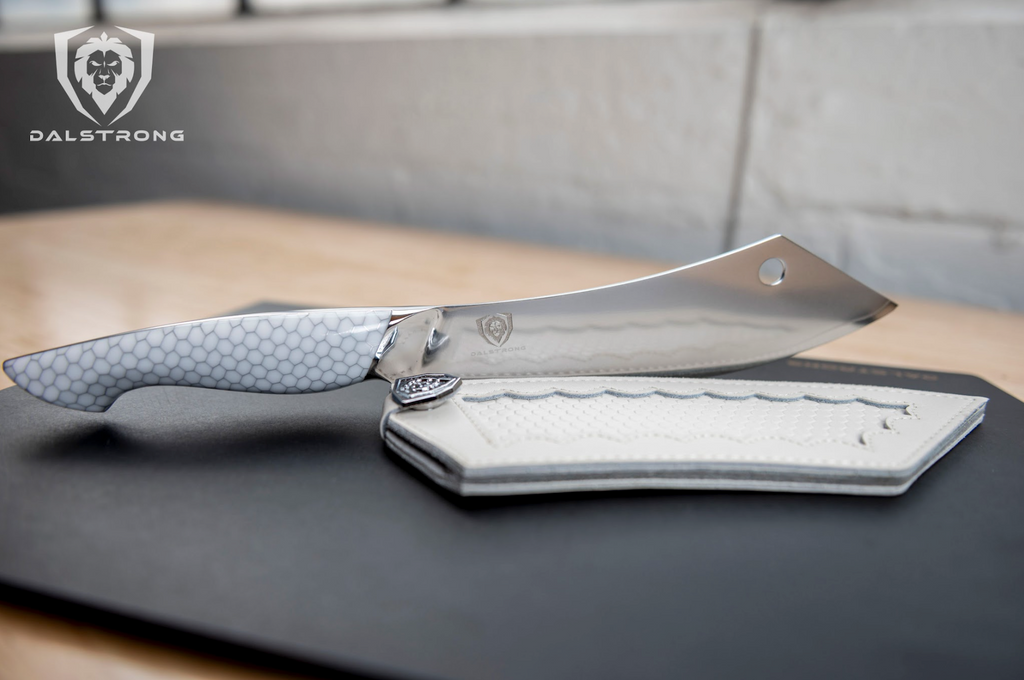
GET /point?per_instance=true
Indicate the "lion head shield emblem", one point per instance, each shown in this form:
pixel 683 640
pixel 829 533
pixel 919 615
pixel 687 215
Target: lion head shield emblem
pixel 103 67
pixel 104 73
pixel 495 328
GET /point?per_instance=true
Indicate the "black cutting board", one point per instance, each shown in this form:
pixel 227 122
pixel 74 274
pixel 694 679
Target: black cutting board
pixel 278 530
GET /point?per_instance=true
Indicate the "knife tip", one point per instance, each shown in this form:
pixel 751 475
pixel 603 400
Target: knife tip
pixel 887 307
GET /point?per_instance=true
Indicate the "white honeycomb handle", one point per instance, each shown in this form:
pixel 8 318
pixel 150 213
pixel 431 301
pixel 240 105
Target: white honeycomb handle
pixel 279 353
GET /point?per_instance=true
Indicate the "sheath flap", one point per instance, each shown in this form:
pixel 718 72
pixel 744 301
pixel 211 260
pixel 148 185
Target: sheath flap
pixel 539 435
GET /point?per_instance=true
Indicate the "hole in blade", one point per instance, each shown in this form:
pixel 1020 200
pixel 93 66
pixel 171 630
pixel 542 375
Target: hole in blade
pixel 772 271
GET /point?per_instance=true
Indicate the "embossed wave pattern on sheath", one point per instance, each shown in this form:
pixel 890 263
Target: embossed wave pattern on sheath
pixel 281 353
pixel 506 419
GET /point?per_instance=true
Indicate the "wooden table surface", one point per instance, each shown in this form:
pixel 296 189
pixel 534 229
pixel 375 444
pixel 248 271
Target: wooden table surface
pixel 77 274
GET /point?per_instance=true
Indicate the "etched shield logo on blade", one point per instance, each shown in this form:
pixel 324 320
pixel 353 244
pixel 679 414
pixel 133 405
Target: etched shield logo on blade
pixel 104 71
pixel 495 328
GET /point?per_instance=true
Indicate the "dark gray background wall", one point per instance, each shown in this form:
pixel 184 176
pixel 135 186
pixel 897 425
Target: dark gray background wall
pixel 547 138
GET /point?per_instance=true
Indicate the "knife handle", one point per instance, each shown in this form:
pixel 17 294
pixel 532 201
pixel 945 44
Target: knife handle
pixel 279 353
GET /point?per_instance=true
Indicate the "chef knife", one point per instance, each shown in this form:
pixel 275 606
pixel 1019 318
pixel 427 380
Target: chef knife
pixel 762 302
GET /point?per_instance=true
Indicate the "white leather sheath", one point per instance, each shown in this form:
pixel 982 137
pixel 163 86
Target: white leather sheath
pixel 541 435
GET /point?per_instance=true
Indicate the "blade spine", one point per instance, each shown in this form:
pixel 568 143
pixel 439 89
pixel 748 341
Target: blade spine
pixel 408 311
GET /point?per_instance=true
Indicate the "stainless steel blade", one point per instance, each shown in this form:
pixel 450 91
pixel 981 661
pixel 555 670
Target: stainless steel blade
pixel 717 315
pixel 713 316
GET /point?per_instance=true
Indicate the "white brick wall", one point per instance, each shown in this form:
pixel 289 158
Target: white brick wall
pixel 885 135
pixel 890 137
pixel 22 14
pixel 610 127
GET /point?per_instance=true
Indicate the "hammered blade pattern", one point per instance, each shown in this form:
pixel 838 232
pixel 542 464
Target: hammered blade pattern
pixel 279 353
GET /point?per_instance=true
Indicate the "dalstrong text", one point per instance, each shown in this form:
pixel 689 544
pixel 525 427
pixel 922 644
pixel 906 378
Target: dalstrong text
pixel 107 135
pixel 502 350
